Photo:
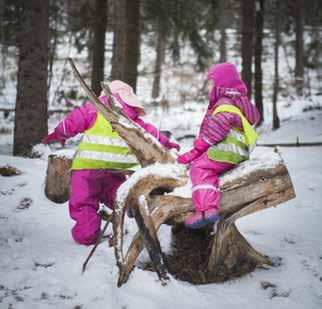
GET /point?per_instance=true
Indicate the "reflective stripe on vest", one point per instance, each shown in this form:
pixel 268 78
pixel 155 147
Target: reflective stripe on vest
pixel 103 148
pixel 236 146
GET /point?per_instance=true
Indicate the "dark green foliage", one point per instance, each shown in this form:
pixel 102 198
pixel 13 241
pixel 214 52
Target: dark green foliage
pixel 183 20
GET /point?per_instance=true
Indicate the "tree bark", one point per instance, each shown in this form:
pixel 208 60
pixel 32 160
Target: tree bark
pixel 160 49
pixel 223 34
pixel 276 120
pixel 58 179
pixel 248 13
pixel 31 101
pixel 223 45
pixel 258 58
pixel 126 42
pixel 299 45
pixel 119 39
pixel 132 46
pixel 100 21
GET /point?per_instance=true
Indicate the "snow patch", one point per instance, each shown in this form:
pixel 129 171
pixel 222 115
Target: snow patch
pixel 157 169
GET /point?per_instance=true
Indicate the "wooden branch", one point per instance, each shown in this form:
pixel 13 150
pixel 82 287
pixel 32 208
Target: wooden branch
pixel 142 187
pixel 171 206
pixel 98 241
pixel 147 149
pixel 297 144
pixel 109 94
pixel 148 233
pixel 50 111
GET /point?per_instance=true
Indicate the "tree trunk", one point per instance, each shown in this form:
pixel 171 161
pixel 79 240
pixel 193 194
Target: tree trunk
pixel 98 48
pixel 222 46
pixel 248 12
pixel 258 58
pixel 126 42
pixel 223 34
pixel 299 45
pixel 132 46
pixel 53 38
pixel 31 102
pixel 160 49
pixel 119 39
pixel 276 120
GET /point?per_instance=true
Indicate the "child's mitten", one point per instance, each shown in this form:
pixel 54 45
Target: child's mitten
pixel 189 156
pixel 201 145
pixel 171 145
pixel 52 138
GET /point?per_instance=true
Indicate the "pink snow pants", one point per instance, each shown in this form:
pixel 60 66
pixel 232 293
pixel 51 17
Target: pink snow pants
pixel 88 188
pixel 204 175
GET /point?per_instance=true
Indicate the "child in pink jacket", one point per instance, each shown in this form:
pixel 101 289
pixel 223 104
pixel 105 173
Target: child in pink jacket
pixel 225 139
pixel 102 152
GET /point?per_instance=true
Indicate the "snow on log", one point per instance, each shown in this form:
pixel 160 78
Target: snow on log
pixel 259 177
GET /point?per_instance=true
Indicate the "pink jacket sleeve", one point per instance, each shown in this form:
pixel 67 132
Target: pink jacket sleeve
pixel 218 126
pixel 77 121
pixel 150 128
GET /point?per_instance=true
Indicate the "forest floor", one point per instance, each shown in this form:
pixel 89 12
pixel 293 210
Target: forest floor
pixel 40 265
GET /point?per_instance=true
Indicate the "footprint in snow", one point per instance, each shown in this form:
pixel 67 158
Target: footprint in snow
pixel 274 290
pixel 25 203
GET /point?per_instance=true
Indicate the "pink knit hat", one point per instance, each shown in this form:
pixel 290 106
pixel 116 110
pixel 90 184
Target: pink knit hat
pixel 127 94
pixel 225 75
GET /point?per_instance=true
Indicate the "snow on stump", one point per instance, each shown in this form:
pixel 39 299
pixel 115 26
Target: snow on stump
pixel 57 184
pixel 198 256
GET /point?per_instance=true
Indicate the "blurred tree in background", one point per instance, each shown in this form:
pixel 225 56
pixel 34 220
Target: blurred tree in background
pixel 31 103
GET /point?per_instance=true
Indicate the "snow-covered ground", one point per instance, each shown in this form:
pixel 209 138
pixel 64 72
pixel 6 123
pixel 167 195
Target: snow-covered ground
pixel 40 265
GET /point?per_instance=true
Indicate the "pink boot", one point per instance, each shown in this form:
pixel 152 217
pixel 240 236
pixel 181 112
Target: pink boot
pixel 202 218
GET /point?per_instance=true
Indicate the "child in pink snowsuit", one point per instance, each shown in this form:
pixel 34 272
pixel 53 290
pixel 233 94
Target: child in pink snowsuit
pixel 222 142
pixel 102 152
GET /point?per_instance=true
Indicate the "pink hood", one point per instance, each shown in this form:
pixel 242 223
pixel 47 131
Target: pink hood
pixel 225 75
pixel 230 89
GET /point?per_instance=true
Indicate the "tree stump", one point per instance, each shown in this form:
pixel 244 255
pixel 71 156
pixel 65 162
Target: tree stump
pixel 198 256
pixel 57 184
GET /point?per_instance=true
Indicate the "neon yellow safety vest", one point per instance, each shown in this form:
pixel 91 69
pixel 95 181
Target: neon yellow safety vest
pixel 236 146
pixel 103 148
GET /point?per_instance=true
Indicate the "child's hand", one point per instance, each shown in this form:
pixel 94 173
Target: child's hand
pixel 189 156
pixel 171 145
pixel 52 138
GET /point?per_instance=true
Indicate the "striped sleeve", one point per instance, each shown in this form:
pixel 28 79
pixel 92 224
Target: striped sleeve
pixel 217 128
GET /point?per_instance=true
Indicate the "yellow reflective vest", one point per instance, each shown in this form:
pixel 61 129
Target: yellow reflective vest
pixel 103 148
pixel 236 146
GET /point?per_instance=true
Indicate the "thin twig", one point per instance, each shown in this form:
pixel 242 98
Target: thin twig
pixel 96 244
